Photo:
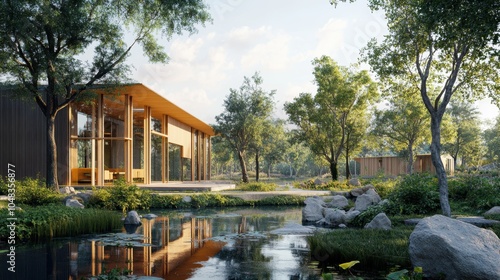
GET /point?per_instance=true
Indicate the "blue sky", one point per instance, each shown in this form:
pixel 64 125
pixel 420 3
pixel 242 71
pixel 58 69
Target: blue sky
pixel 277 38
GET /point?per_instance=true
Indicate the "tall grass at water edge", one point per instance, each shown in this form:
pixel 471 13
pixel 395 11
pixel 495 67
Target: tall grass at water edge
pixel 45 222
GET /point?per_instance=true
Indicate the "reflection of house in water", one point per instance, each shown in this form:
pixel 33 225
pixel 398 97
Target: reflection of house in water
pixel 177 245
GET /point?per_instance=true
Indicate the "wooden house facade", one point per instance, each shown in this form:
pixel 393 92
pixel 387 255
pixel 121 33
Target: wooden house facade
pixel 127 131
pixel 392 166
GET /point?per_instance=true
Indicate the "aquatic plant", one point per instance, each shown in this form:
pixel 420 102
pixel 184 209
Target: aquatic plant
pixel 44 222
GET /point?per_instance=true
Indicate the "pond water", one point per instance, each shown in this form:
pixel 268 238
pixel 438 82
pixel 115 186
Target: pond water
pixel 224 244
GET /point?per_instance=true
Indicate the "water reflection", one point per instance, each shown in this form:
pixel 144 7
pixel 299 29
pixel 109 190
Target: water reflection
pixel 228 244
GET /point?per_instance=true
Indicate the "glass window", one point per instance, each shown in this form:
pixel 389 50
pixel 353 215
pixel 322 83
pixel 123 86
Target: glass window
pixel 156 125
pixel 174 162
pixel 156 157
pixel 114 116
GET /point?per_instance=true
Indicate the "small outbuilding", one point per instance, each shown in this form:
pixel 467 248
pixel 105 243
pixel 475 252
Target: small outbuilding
pixel 392 166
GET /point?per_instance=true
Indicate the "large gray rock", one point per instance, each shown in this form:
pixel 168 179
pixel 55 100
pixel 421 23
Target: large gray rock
pixel 360 191
pixel 315 200
pixel 74 203
pixel 381 221
pixel 312 212
pixel 338 201
pixel 458 250
pixel 364 201
pixel 334 217
pixel 132 218
pixel 375 197
pixel 355 182
pixel 350 215
pixel 493 211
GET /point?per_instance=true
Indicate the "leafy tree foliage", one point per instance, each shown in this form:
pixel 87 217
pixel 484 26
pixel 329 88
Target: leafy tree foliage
pixel 245 117
pixel 492 139
pixel 41 42
pixel 447 47
pixel 466 137
pixel 330 122
pixel 404 122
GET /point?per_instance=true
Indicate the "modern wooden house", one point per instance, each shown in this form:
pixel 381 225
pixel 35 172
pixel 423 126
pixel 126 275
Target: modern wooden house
pixel 128 131
pixel 392 166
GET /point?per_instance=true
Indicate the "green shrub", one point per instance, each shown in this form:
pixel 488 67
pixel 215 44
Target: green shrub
pixel 415 194
pixel 44 222
pixel 384 186
pixel 197 201
pixel 257 187
pixel 31 191
pixel 475 191
pixel 282 200
pixel 337 186
pixel 121 196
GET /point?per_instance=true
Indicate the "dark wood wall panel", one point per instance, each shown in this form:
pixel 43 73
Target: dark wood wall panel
pixel 23 140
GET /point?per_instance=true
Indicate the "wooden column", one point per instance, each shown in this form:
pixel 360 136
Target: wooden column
pixel 193 168
pixel 147 145
pixel 164 150
pixel 128 152
pixel 99 148
pixel 209 158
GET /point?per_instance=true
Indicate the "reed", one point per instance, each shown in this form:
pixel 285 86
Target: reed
pixel 375 249
pixel 45 222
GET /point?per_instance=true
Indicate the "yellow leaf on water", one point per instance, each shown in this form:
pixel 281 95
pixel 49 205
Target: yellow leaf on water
pixel 418 269
pixel 348 265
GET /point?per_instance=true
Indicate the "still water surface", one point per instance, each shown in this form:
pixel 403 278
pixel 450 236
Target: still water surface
pixel 220 244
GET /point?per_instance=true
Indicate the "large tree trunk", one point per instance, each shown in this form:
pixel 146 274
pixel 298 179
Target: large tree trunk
pixel 347 167
pixel 334 171
pixel 409 168
pixel 438 164
pixel 257 165
pixel 51 173
pixel 243 166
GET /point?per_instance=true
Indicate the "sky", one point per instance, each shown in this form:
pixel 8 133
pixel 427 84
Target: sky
pixel 279 39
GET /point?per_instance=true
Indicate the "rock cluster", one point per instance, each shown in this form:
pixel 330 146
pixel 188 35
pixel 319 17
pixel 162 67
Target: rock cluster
pixel 335 212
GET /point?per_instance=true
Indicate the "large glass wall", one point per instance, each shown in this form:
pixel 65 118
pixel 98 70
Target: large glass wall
pixel 156 157
pixel 83 146
pixel 174 162
pixel 114 132
pixel 138 146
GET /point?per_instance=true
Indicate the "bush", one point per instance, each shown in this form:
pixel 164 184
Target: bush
pixel 281 200
pixel 475 191
pixel 121 196
pixel 257 187
pixel 415 194
pixel 366 216
pixel 31 191
pixel 383 186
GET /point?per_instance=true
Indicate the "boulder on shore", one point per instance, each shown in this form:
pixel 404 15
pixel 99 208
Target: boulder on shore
pixel 132 219
pixel 458 250
pixel 381 221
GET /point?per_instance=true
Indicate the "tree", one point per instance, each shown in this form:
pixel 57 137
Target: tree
pixel 466 132
pixel 403 123
pixel 323 121
pixel 492 140
pixel 446 47
pixel 275 144
pixel 40 42
pixel 242 122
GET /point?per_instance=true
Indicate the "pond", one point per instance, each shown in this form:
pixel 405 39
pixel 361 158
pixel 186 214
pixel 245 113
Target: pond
pixel 237 243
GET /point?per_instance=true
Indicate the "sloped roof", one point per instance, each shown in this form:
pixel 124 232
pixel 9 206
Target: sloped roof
pixel 144 96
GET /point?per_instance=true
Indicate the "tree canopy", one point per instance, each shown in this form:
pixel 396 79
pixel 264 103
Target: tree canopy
pixel 326 120
pixel 246 114
pixel 445 48
pixel 41 43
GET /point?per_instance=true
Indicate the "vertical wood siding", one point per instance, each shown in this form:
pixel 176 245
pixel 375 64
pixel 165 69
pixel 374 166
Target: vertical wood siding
pixel 23 140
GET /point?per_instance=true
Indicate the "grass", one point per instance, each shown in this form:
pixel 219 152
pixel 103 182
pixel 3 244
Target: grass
pixel 375 249
pixel 45 222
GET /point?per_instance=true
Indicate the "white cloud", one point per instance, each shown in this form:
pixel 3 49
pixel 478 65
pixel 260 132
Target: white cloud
pixel 273 54
pixel 186 50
